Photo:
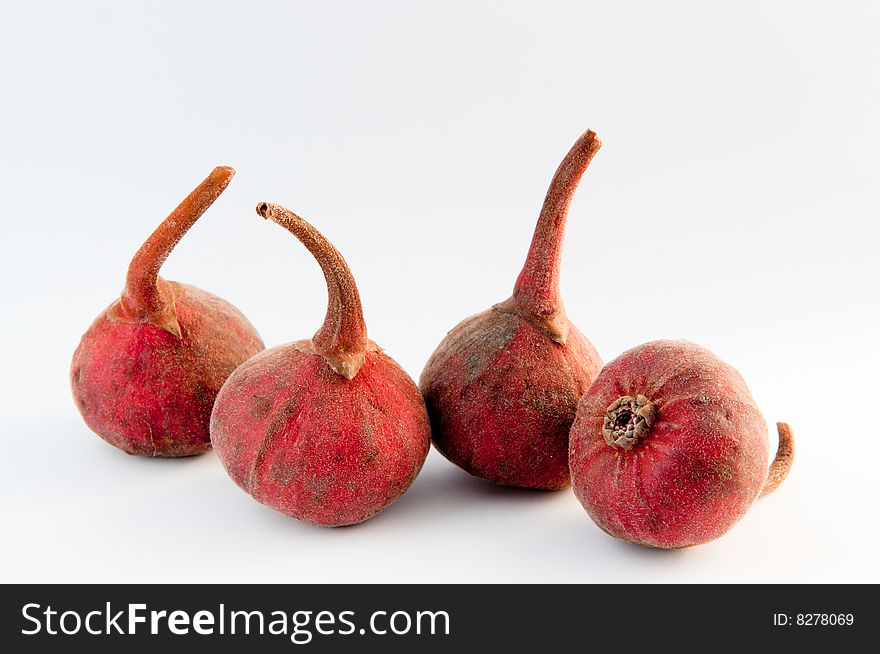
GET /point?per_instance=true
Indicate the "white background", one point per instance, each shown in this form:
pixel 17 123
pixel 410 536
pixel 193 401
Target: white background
pixel 734 204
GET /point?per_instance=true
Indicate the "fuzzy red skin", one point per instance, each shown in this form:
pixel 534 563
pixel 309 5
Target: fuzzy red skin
pixel 699 469
pixel 502 387
pixel 304 440
pixel 149 392
pixel 502 396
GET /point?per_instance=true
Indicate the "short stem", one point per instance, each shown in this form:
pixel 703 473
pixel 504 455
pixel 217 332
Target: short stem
pixel 536 295
pixel 143 298
pixel 783 460
pixel 342 339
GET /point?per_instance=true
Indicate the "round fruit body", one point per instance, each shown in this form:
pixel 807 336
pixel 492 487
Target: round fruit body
pixel 150 392
pixel 502 396
pixel 304 440
pixel 668 448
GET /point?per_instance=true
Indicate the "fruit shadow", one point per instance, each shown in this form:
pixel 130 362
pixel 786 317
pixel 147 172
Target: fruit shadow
pixel 444 491
pixel 443 497
pixel 99 464
pixel 441 494
pixel 575 538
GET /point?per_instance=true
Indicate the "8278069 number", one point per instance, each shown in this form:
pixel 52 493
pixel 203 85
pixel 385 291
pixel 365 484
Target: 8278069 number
pixel 814 619
pixel 824 619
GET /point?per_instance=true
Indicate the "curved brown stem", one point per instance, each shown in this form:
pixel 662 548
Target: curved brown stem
pixel 146 298
pixel 342 338
pixel 781 465
pixel 536 295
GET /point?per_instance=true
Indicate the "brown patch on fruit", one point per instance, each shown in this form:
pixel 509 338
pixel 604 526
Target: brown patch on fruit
pixel 282 471
pixel 201 393
pixel 279 421
pixel 260 406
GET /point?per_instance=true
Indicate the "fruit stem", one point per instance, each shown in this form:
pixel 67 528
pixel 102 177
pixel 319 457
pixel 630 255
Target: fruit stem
pixel 342 338
pixel 536 295
pixel 146 298
pixel 783 460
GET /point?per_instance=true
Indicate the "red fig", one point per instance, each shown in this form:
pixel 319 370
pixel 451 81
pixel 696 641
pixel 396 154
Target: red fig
pixel 669 449
pixel 146 372
pixel 329 430
pixel 502 388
